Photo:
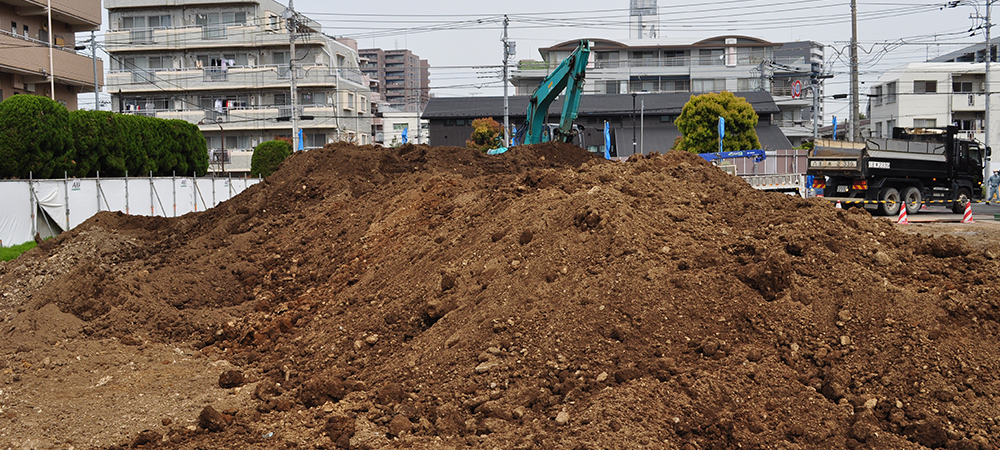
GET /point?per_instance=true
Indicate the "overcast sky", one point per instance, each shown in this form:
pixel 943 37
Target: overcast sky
pixel 461 40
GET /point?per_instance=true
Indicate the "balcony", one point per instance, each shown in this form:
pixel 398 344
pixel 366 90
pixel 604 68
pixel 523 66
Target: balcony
pixel 78 15
pixel 29 57
pixel 215 78
pixel 249 119
pixel 968 101
pixel 198 37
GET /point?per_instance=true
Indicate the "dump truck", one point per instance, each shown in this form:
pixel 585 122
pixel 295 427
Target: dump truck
pixel 916 166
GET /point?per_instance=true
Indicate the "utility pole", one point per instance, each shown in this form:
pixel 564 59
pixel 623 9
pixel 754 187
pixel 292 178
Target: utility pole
pixel 642 125
pixel 855 132
pixel 97 90
pixel 989 58
pixel 506 107
pixel 292 28
pixel 52 73
pixel 633 124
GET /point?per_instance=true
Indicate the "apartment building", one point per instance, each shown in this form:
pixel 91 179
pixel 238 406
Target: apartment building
pixel 723 63
pixel 226 65
pixel 933 94
pixel 27 60
pixel 403 79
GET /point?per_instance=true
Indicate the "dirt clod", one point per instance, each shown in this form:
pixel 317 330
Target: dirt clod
pixel 211 420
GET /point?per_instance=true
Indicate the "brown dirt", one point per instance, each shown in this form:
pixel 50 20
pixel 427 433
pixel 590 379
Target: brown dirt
pixel 437 298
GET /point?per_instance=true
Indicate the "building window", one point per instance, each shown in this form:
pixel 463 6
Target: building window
pixel 26 31
pixel 708 85
pixel 877 130
pixel 611 87
pixel 877 94
pixel 961 86
pixel 969 124
pixel 13 28
pixel 890 92
pixel 710 57
pixel 924 123
pixel 159 21
pixel 924 86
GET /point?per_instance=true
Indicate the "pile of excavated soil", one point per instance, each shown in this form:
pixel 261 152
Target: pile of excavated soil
pixel 427 297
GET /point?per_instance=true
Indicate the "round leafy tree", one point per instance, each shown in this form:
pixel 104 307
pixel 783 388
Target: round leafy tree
pixel 485 134
pixel 699 123
pixel 268 156
pixel 34 138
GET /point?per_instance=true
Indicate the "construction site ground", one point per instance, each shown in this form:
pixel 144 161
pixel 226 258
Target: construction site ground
pixel 438 298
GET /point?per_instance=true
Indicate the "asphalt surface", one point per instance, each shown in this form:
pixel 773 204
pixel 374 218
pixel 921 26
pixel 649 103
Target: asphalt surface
pixel 980 212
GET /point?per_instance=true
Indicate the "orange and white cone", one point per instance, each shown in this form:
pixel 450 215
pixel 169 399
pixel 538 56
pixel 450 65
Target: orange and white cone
pixel 902 214
pixel 967 217
pixel 838 205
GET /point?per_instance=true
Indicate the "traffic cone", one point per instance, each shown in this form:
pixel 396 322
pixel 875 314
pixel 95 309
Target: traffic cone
pixel 967 217
pixel 838 205
pixel 902 215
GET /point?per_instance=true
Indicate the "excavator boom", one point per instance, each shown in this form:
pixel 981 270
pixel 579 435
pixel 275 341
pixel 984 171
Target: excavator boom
pixel 568 75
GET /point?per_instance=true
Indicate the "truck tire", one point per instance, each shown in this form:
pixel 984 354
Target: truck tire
pixel 889 202
pixel 912 199
pixel 964 195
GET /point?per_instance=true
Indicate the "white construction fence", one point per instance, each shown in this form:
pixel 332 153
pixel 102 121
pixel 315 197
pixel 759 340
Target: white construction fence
pixel 48 207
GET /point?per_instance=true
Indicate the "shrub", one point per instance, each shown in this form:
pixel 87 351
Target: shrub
pixel 35 138
pixel 268 156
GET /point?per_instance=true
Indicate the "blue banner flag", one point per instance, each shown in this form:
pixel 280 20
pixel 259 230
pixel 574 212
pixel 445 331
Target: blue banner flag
pixel 301 146
pixel 404 134
pixel 607 140
pixel 722 131
pixel 835 128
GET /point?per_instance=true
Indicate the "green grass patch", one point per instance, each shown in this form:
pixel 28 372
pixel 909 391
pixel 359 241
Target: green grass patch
pixel 9 253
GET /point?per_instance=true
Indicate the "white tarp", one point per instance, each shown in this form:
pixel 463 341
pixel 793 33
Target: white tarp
pixel 50 206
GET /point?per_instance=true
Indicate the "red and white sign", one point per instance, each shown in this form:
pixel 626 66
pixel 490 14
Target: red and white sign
pixel 796 89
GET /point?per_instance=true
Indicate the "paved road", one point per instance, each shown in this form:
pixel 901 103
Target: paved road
pixel 980 212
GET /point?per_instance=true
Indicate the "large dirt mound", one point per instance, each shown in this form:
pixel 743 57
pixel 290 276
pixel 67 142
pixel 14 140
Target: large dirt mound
pixel 427 297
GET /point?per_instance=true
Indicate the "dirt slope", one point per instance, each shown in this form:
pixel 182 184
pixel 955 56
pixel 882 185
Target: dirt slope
pixel 437 298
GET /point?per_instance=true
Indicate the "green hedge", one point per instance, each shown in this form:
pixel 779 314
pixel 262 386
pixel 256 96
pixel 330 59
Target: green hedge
pixel 40 137
pixel 268 156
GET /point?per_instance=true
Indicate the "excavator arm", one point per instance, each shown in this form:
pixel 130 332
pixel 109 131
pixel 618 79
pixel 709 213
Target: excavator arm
pixel 568 75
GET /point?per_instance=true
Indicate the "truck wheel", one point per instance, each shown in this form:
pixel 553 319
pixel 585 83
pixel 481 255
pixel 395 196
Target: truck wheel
pixel 912 199
pixel 889 202
pixel 964 195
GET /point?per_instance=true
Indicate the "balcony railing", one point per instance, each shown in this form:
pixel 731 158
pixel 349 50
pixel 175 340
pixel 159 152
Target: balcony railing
pixel 236 77
pixel 686 61
pixel 232 35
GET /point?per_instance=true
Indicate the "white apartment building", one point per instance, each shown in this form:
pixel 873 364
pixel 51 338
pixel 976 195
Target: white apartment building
pixel 723 63
pixel 394 121
pixel 225 65
pixel 933 95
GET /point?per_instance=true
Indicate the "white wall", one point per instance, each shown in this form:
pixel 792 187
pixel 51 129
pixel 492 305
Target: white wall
pixel 50 206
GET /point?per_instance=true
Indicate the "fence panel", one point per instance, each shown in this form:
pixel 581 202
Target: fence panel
pixel 69 202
